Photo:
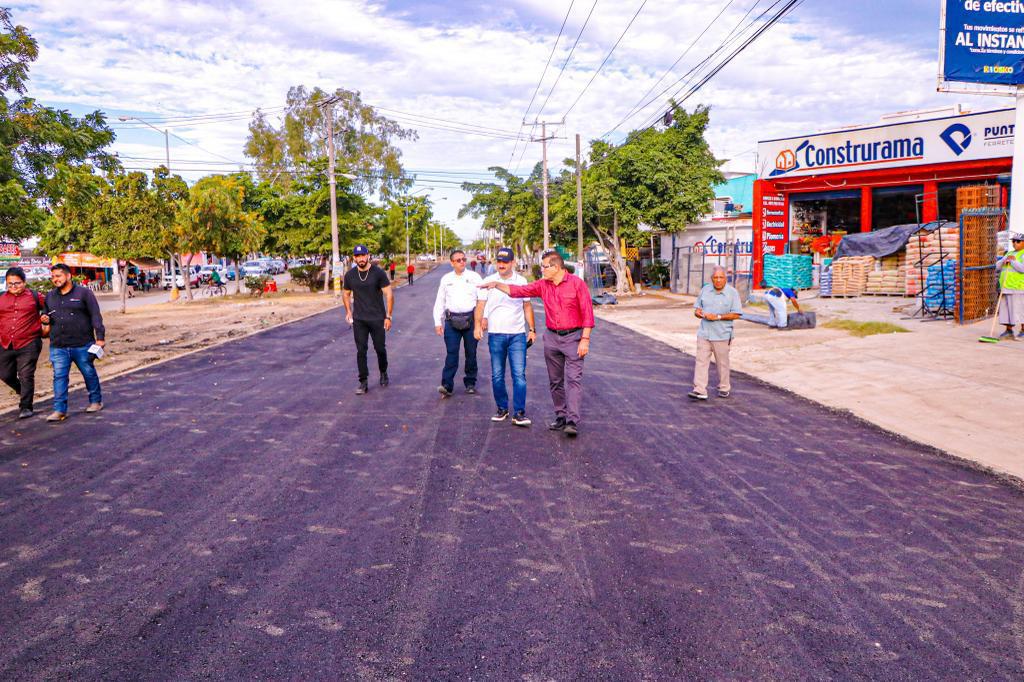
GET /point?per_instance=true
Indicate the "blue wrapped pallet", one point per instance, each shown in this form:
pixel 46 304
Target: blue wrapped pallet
pixel 789 270
pixel 940 286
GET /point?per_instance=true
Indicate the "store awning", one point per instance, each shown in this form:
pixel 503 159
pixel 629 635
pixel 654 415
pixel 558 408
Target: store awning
pixel 147 263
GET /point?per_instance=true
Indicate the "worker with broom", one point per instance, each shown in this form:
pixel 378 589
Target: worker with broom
pixel 1011 286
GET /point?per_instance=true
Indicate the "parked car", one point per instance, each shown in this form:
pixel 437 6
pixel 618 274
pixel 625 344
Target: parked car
pixel 207 272
pixel 280 265
pixel 254 268
pixel 193 279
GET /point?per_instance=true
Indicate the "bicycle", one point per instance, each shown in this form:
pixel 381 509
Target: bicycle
pixel 212 289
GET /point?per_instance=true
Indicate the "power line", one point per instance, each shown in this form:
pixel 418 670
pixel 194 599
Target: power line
pixel 606 58
pixel 543 73
pixel 674 64
pixel 567 59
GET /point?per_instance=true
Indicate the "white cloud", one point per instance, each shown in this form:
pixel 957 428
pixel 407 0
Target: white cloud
pixel 175 58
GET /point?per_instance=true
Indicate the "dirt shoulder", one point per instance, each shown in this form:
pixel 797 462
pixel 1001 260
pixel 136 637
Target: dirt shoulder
pixel 936 384
pixel 146 334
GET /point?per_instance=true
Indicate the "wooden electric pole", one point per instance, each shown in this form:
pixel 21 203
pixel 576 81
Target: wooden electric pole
pixel 544 179
pixel 579 204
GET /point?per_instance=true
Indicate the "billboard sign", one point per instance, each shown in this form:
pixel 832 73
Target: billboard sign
pixel 774 224
pixel 982 44
pixel 10 254
pixel 966 137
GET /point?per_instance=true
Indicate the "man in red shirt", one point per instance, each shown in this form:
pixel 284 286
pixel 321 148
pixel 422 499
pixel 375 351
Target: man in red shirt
pixel 569 317
pixel 410 270
pixel 20 338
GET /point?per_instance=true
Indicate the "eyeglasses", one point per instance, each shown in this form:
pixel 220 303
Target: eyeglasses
pixel 15 283
pixel 545 266
pixel 458 260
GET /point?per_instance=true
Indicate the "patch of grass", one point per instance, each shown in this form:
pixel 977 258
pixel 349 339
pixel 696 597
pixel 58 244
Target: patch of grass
pixel 866 328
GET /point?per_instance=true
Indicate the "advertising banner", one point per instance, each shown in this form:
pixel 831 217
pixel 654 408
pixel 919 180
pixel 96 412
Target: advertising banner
pixel 10 254
pixel 982 42
pixel 966 137
pixel 774 224
pixel 78 259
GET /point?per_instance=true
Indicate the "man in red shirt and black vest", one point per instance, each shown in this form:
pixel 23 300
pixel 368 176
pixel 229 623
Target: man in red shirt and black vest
pixel 569 317
pixel 21 338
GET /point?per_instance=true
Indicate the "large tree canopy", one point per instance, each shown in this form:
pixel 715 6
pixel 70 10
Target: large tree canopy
pixel 364 141
pixel 37 143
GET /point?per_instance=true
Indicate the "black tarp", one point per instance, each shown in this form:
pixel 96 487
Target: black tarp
pixel 883 242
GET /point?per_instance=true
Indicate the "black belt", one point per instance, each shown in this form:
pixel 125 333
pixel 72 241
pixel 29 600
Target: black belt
pixel 565 332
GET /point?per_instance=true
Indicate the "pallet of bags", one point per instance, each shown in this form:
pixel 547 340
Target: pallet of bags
pixel 850 275
pixel 795 271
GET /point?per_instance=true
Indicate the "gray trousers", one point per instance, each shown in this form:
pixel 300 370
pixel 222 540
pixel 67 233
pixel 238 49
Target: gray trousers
pixel 565 373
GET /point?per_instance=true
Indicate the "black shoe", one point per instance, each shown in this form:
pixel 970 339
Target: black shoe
pixel 26 413
pixel 570 429
pixel 363 388
pixel 694 395
pixel 384 381
pixel 471 390
pixel 558 424
pixel 500 416
pixel 444 391
pixel 520 419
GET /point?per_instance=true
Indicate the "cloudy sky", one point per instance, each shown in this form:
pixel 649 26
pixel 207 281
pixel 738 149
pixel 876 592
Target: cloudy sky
pixel 437 65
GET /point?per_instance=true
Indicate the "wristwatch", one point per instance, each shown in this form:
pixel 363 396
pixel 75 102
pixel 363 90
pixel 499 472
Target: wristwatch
pixel 387 317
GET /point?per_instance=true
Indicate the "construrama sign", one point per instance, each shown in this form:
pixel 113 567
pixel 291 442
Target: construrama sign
pixel 984 135
pixel 983 42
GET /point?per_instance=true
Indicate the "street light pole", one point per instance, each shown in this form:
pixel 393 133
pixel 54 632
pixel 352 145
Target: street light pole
pixel 332 184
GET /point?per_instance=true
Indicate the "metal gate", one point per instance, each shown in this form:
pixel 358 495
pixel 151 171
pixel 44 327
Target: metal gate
pixel 691 268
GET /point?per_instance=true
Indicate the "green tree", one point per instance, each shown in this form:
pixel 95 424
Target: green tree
pixel 511 206
pixel 214 219
pixel 662 179
pixel 38 144
pixel 126 223
pixel 364 141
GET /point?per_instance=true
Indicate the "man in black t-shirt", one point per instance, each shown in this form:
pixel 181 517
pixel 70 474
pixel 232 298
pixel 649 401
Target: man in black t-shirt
pixel 369 301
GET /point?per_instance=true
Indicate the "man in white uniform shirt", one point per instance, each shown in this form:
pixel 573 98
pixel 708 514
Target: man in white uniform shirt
pixel 509 325
pixel 454 308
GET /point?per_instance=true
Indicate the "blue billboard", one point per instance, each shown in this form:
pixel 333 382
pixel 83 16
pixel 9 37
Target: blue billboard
pixel 983 42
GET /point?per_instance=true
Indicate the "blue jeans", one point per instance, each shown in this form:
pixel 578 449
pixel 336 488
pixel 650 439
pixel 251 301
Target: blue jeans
pixel 452 337
pixel 513 347
pixel 61 359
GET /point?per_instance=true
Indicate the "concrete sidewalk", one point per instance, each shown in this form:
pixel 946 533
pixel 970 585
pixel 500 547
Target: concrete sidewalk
pixel 936 385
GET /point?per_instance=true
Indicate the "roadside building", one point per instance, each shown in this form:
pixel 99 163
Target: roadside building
pixel 904 169
pixel 723 236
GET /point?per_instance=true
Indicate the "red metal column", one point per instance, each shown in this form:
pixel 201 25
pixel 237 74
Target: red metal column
pixel 865 209
pixel 757 264
pixel 930 207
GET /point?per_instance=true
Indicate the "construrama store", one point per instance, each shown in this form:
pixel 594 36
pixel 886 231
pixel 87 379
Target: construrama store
pixel 873 177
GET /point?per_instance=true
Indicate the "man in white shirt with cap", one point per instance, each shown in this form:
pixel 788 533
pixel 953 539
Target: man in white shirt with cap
pixel 454 308
pixel 510 329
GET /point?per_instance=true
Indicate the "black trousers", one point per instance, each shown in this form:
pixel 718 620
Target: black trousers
pixel 363 330
pixel 408 278
pixel 18 370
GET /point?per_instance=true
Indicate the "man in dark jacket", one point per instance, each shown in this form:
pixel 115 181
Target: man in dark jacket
pixel 20 338
pixel 76 327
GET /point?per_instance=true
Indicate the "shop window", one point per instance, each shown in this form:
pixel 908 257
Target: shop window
pixel 815 214
pixel 896 206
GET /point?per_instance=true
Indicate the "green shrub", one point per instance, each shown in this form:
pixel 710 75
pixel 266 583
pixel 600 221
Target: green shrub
pixel 255 283
pixel 535 269
pixel 309 276
pixel 43 286
pixel 658 273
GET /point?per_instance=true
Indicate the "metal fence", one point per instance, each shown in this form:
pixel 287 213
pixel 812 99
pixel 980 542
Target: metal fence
pixel 691 268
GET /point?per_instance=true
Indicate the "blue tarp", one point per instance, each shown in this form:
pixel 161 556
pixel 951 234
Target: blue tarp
pixel 879 243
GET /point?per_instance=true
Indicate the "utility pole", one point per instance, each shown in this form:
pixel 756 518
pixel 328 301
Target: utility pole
pixel 579 204
pixel 331 180
pixel 544 152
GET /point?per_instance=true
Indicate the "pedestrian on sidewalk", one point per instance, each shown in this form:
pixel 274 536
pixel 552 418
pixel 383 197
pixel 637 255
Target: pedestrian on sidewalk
pixel 410 270
pixel 21 338
pixel 569 316
pixel 391 269
pixel 454 309
pixel 76 326
pixel 1011 286
pixel 510 330
pixel 717 306
pixel 369 302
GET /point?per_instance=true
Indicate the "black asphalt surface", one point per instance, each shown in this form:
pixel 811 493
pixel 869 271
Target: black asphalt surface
pixel 240 514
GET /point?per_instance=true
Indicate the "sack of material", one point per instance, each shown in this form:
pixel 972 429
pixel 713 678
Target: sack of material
pixel 806 320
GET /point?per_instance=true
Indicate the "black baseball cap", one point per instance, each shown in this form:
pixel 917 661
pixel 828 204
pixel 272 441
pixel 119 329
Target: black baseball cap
pixel 504 255
pixel 360 250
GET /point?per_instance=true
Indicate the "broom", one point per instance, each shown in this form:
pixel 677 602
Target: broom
pixel 991 338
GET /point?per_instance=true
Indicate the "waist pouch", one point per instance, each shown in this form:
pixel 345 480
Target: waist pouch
pixel 460 321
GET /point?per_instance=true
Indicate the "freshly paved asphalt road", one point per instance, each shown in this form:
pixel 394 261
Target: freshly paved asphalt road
pixel 241 514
